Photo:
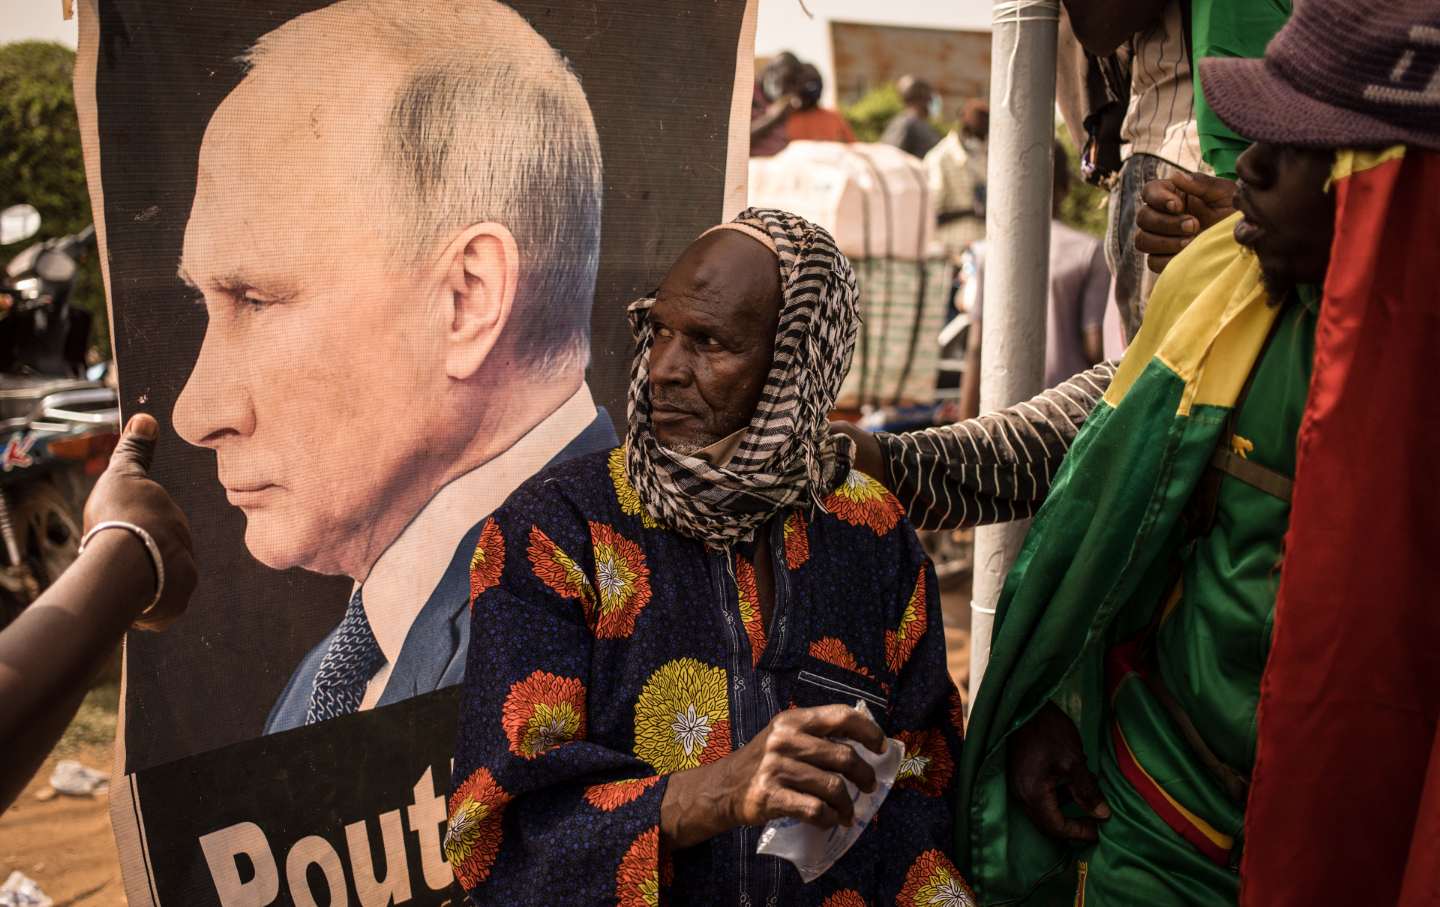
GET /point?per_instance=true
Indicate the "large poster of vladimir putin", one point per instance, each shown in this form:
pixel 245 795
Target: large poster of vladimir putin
pixel 368 263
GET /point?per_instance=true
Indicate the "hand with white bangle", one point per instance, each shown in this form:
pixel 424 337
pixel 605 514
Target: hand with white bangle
pixel 137 570
pixel 127 502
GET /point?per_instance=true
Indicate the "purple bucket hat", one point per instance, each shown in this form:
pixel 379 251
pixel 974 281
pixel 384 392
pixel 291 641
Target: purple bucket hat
pixel 1340 74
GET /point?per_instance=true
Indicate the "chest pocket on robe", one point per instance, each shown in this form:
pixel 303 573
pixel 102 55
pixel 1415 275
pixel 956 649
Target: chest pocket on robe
pixel 819 682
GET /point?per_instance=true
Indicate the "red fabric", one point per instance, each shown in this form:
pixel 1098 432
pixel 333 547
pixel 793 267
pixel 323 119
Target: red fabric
pixel 1345 799
pixel 818 125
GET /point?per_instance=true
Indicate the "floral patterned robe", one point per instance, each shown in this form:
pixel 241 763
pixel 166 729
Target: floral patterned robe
pixel 607 653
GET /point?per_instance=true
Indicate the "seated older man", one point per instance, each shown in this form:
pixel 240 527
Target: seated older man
pixel 669 639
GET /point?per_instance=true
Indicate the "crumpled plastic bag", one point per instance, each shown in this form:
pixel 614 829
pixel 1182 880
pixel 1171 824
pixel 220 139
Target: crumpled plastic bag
pixel 814 850
pixel 76 780
pixel 22 891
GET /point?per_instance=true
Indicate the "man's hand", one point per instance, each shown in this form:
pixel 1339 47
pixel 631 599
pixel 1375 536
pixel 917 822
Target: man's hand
pixel 789 769
pixel 1174 211
pixel 126 492
pixel 868 458
pixel 1046 755
pixel 782 105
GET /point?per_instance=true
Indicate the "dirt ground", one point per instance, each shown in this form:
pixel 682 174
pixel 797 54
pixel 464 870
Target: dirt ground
pixel 65 843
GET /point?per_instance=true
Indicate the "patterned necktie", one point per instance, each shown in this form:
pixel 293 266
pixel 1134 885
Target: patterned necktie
pixel 352 659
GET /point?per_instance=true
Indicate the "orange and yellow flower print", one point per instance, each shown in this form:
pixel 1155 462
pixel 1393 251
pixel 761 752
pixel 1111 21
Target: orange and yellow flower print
pixel 625 493
pixel 682 717
pixel 933 881
pixel 558 570
pixel 927 766
pixel 957 713
pixel 862 501
pixel 611 795
pixel 488 561
pixel 845 897
pixel 472 838
pixel 543 711
pixel 622 580
pixel 833 651
pixel 641 874
pixel 901 642
pixel 797 541
pixel 750 614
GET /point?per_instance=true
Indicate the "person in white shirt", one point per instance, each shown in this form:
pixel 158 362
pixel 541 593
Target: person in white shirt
pixel 1160 135
pixel 398 263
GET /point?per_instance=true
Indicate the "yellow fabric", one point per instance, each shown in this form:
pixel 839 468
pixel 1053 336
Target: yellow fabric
pixel 1206 321
pixel 1349 162
pixel 1210 337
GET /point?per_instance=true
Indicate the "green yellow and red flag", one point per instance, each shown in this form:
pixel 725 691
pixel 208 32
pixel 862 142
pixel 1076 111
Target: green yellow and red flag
pixel 1100 556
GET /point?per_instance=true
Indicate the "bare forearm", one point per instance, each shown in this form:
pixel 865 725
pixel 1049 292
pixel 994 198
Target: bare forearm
pixel 28 748
pixel 693 809
pixel 1103 25
pixel 50 653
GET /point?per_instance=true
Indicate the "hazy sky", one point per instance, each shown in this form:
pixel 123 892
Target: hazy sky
pixel 780 25
pixel 26 19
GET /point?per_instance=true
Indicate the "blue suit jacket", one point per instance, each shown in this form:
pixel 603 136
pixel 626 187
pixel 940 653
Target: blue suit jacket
pixel 433 655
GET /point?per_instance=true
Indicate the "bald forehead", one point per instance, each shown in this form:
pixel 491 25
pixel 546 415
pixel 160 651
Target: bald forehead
pixel 729 263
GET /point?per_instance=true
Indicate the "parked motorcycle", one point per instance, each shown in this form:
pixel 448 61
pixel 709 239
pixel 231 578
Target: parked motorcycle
pixel 58 424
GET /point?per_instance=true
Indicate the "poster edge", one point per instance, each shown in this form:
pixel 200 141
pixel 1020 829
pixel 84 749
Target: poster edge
pixel 125 809
pixel 125 815
pixel 737 159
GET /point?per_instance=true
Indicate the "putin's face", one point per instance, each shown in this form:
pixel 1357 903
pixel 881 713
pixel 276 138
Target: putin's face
pixel 319 381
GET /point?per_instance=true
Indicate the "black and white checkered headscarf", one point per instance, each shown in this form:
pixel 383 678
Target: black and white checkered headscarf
pixel 788 453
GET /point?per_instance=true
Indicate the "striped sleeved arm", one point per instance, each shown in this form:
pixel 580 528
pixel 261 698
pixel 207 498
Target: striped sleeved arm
pixel 995 468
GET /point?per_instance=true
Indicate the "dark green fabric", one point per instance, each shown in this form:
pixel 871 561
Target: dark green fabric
pixel 1211 652
pixel 1228 28
pixel 1060 602
pixel 1140 859
pixel 1102 554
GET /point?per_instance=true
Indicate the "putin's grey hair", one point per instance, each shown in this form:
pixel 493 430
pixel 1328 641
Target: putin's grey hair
pixel 492 125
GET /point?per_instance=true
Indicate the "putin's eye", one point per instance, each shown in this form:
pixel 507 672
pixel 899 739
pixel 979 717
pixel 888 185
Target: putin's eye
pixel 254 303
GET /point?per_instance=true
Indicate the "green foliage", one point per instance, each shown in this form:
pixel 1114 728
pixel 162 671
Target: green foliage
pixel 869 115
pixel 41 161
pixel 1085 208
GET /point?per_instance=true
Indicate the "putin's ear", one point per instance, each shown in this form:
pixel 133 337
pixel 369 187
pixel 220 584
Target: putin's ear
pixel 482 266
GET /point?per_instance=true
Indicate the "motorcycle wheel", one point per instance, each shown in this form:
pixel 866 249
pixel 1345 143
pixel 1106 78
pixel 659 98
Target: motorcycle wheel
pixel 48 521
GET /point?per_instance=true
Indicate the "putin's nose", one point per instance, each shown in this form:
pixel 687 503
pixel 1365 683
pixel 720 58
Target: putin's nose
pixel 214 403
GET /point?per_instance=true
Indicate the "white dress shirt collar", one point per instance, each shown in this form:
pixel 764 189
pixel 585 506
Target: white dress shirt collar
pixel 402 580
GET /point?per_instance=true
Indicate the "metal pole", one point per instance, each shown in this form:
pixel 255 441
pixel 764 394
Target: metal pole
pixel 1017 260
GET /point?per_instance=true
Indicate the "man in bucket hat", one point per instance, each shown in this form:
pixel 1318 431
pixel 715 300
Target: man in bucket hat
pixel 1213 676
